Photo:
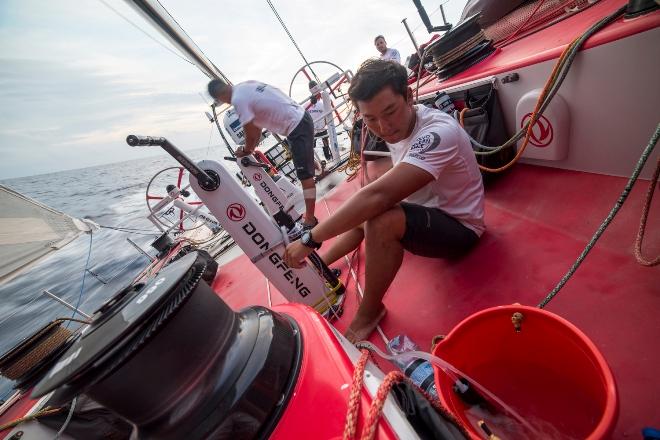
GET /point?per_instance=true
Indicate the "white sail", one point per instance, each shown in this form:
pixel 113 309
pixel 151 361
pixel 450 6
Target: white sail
pixel 29 231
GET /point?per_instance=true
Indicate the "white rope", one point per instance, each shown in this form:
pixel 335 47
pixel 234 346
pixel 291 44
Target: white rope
pixel 68 418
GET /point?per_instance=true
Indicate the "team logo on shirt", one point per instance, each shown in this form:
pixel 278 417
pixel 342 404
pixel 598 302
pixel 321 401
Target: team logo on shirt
pixel 424 144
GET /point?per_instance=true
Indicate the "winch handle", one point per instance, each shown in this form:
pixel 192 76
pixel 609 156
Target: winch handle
pixel 206 181
pixel 247 162
pixel 144 141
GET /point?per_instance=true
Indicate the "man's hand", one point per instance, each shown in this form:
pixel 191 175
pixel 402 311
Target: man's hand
pixel 242 151
pixel 295 254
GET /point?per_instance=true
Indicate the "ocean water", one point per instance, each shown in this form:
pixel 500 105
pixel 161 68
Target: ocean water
pixel 111 195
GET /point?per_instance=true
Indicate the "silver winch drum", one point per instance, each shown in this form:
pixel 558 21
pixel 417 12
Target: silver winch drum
pixel 170 357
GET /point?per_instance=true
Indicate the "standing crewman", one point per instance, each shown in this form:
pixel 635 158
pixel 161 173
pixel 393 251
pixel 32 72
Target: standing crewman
pixel 386 53
pixel 261 106
pixel 317 111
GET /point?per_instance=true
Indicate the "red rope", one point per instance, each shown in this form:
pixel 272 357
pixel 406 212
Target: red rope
pixel 376 409
pixel 517 31
pixel 354 399
pixel 369 429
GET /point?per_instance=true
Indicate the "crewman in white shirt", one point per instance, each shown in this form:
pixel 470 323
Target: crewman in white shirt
pixel 317 111
pixel 261 106
pixel 430 203
pixel 386 53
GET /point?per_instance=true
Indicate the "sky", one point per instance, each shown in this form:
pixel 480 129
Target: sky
pixel 76 77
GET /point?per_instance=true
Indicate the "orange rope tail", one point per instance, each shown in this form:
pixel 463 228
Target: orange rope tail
pixel 369 429
pixel 376 409
pixel 642 222
pixel 532 121
pixel 354 399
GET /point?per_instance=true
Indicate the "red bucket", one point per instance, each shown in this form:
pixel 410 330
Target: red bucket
pixel 549 372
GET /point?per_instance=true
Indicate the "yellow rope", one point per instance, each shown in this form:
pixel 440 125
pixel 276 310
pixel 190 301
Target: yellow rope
pixel 44 412
pixel 352 165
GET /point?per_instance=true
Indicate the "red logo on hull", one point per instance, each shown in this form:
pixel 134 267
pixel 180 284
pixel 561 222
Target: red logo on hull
pixel 236 212
pixel 542 132
pixel 257 177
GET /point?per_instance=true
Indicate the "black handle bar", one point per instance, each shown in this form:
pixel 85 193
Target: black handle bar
pixel 246 162
pixel 142 141
pixel 206 181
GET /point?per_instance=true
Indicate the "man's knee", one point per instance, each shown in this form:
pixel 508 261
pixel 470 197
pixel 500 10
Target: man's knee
pixel 389 224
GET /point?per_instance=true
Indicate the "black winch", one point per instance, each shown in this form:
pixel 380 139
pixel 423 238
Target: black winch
pixel 173 359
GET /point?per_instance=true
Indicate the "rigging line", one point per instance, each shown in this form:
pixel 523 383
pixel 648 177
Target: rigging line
pixel 132 231
pixel 114 274
pixel 145 33
pixel 224 77
pixel 617 206
pixel 124 228
pixel 208 148
pixel 82 286
pixel 272 7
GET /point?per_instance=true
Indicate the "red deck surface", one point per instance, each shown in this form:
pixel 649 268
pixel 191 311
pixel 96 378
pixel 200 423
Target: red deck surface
pixel 538 220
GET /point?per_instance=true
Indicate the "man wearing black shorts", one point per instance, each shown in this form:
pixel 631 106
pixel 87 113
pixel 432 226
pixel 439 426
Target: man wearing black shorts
pixel 431 202
pixel 261 106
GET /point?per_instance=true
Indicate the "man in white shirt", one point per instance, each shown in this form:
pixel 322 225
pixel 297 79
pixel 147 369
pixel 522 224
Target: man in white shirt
pixel 316 111
pixel 261 106
pixel 385 52
pixel 431 202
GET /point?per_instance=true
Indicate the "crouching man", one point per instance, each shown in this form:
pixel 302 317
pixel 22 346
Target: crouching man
pixel 431 202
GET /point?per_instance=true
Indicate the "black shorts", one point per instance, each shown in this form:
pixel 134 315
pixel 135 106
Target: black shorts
pixel 301 142
pixel 430 232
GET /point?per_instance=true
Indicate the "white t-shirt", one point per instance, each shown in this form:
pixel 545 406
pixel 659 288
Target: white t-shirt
pixel 391 54
pixel 441 147
pixel 266 107
pixel 316 111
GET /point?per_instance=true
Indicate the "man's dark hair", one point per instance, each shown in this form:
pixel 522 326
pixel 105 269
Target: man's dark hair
pixel 374 75
pixel 215 87
pixel 377 37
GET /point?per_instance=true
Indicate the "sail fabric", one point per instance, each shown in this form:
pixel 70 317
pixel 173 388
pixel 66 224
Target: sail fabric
pixel 30 230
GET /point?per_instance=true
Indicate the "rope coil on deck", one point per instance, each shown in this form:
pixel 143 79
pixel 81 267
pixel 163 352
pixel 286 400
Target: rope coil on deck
pixel 28 354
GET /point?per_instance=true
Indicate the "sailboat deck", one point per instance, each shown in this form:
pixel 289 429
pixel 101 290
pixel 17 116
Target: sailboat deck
pixel 539 220
pixel 548 43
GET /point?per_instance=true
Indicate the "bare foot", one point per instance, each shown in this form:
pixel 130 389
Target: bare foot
pixel 362 326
